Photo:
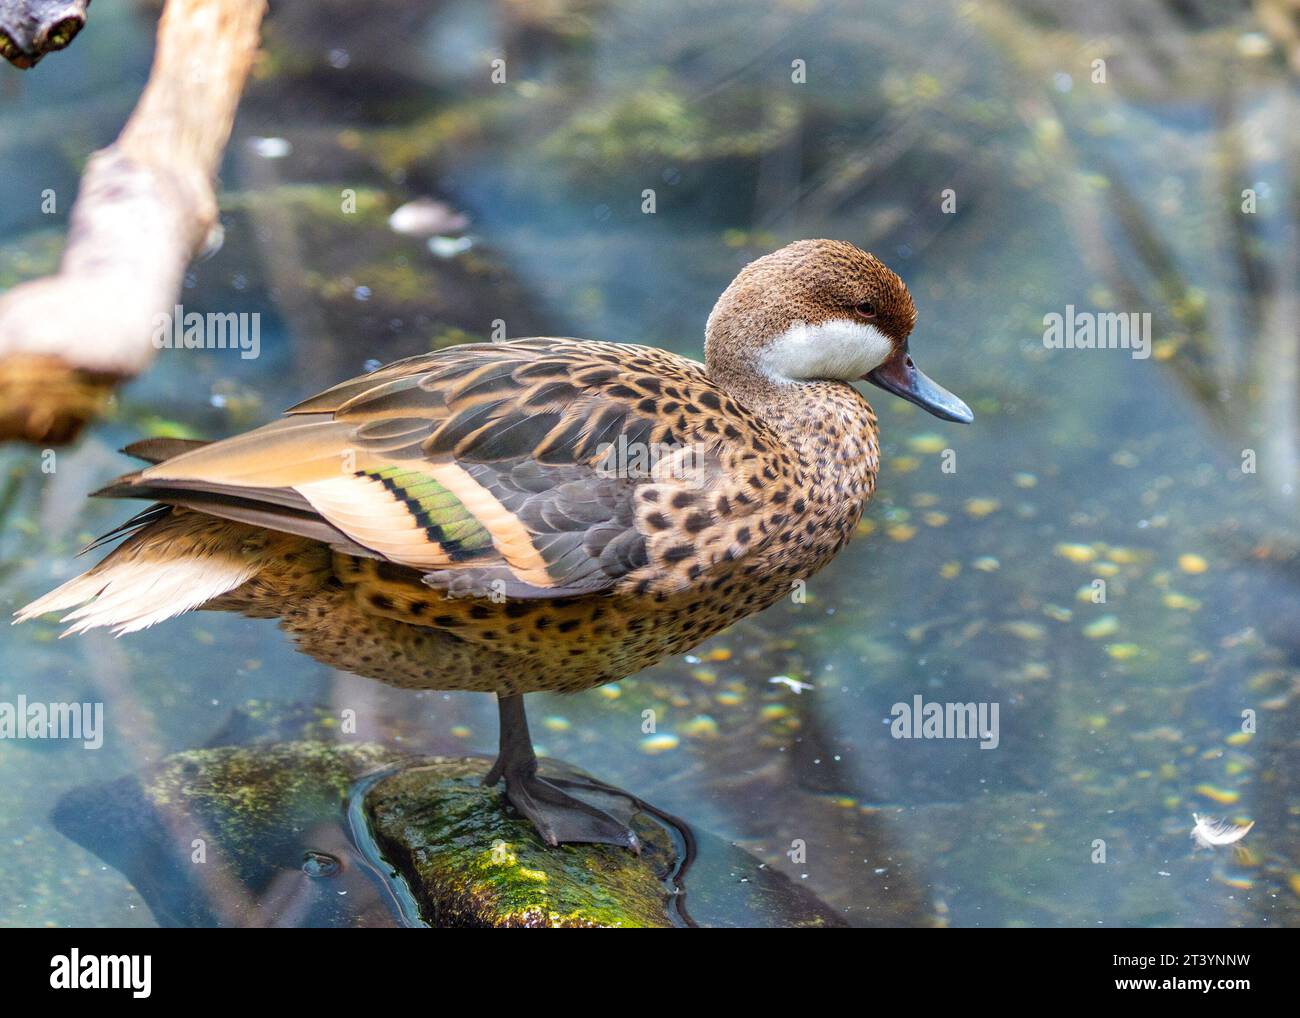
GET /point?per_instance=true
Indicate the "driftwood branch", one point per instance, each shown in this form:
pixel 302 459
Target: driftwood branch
pixel 31 28
pixel 145 207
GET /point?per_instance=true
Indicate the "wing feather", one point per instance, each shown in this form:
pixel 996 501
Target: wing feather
pixel 480 464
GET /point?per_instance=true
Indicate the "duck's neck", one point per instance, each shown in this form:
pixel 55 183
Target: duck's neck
pixel 828 426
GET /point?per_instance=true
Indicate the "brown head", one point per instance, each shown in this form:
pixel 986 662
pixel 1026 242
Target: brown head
pixel 819 310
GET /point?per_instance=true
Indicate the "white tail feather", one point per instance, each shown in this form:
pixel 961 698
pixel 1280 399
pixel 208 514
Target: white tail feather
pixel 170 567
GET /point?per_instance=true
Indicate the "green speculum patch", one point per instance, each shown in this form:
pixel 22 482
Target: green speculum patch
pixel 436 509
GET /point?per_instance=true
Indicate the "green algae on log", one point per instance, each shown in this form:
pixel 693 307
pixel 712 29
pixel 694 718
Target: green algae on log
pixel 471 863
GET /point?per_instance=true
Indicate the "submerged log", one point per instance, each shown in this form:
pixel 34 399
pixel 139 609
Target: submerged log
pixel 236 836
pixel 145 208
pixel 309 833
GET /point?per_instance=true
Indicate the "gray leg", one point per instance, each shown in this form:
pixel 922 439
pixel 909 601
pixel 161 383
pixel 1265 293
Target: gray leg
pixel 559 818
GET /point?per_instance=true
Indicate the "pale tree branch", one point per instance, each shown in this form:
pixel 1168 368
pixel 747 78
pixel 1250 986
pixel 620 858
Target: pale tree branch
pixel 145 206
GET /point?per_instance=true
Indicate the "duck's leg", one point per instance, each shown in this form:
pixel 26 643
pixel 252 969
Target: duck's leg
pixel 558 817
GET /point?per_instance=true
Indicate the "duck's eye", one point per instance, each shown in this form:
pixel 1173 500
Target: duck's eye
pixel 866 309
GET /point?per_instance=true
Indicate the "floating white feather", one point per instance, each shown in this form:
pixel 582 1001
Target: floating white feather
pixel 1211 832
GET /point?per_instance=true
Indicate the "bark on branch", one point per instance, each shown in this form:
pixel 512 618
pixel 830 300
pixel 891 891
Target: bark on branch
pixel 31 28
pixel 145 206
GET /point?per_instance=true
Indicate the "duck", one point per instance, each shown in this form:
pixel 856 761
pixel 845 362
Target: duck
pixel 541 514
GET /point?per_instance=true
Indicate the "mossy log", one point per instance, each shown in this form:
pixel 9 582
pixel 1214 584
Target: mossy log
pixel 310 833
pixel 469 863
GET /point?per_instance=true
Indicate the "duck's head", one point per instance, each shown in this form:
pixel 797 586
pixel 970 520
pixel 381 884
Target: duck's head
pixel 823 309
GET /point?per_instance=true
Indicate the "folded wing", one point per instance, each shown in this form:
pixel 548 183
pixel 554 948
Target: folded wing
pixel 490 468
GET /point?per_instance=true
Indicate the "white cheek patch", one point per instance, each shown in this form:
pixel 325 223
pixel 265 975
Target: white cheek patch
pixel 838 348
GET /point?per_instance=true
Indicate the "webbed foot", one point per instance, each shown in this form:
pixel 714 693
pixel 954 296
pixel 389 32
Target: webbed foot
pixel 559 817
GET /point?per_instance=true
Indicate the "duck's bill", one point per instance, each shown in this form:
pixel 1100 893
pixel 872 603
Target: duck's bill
pixel 904 379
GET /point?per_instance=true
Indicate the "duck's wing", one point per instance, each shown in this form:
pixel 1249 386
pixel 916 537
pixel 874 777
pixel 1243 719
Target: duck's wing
pixel 537 468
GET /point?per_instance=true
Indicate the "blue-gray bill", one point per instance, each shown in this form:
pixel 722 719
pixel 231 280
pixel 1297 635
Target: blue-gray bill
pixel 904 379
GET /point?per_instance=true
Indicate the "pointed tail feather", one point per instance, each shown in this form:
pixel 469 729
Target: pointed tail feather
pixel 155 450
pixel 137 522
pixel 171 566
